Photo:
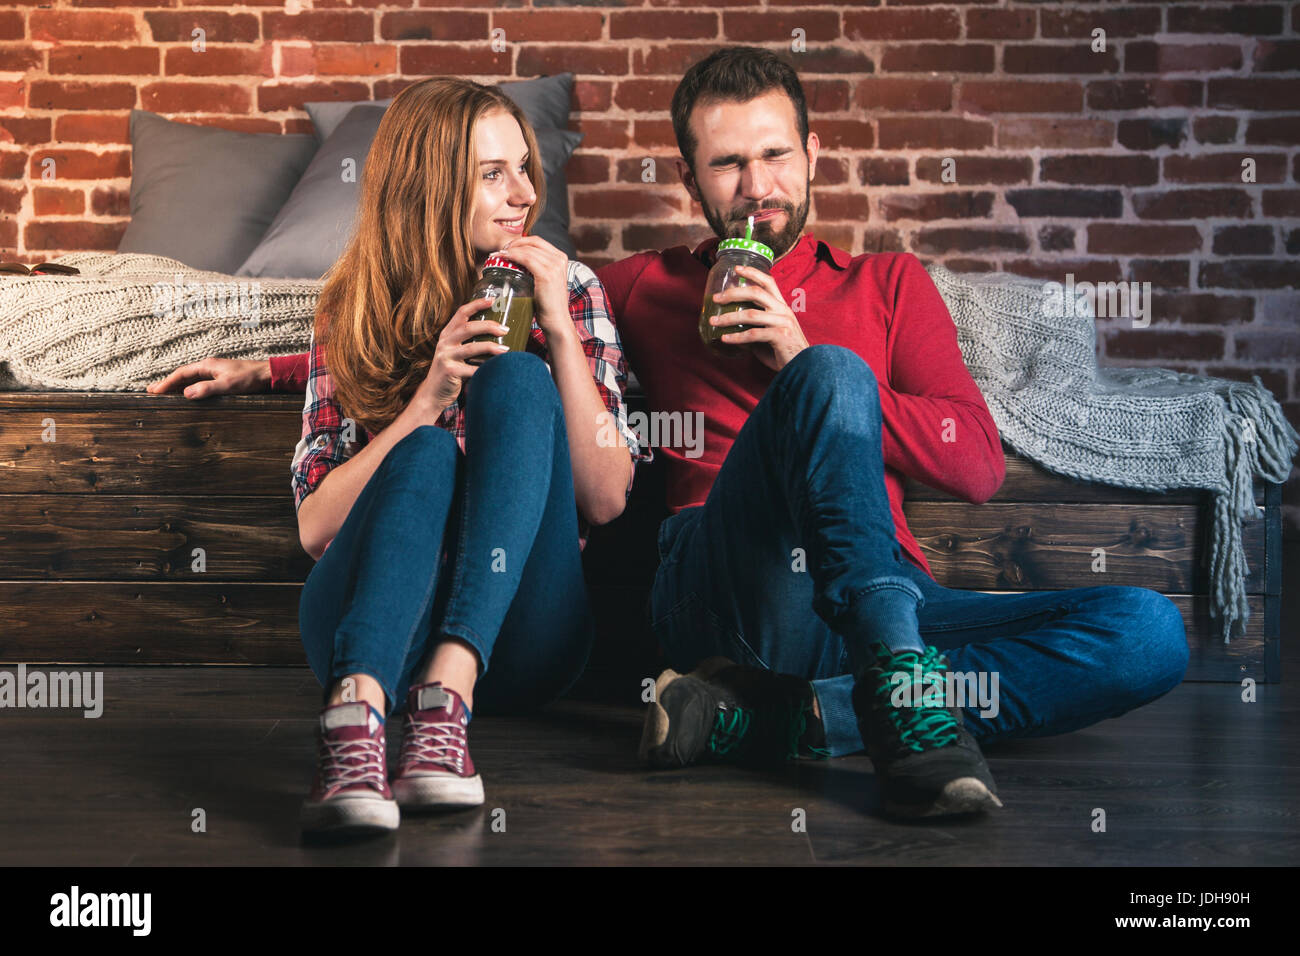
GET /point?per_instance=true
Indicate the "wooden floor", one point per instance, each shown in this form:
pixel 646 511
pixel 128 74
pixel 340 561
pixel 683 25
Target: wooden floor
pixel 1198 778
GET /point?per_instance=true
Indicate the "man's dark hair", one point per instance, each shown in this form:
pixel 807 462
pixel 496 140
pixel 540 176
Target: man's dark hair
pixel 738 73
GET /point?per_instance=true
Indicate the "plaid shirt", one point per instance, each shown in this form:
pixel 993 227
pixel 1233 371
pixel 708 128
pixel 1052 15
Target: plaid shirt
pixel 323 445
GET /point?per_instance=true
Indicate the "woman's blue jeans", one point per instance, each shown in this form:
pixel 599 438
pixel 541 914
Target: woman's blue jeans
pixel 481 546
pixel 792 564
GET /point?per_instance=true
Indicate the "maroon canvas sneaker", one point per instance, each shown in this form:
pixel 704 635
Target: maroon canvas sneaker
pixel 435 771
pixel 350 792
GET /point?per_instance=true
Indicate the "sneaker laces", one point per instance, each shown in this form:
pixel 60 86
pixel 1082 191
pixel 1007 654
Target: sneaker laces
pixel 432 741
pixel 921 725
pixel 798 725
pixel 730 725
pixel 344 763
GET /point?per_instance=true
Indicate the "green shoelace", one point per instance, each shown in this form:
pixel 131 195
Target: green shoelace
pixel 729 728
pixel 921 726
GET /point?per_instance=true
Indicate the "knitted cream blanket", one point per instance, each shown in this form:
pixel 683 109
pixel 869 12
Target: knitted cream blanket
pixel 1034 357
pixel 129 319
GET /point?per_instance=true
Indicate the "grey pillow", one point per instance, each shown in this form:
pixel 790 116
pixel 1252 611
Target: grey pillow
pixel 313 227
pixel 545 101
pixel 204 195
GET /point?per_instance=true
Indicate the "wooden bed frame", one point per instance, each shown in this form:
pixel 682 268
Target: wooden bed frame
pixel 108 502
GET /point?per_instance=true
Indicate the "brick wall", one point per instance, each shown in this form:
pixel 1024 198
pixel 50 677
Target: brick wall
pixel 1122 163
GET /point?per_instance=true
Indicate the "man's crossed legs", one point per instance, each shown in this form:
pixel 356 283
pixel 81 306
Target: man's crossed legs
pixel 792 567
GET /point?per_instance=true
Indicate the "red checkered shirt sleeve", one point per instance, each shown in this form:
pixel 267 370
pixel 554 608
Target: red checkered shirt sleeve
pixel 604 351
pixel 328 438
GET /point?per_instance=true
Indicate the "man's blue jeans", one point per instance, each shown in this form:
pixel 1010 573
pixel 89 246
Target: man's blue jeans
pixel 481 546
pixel 803 488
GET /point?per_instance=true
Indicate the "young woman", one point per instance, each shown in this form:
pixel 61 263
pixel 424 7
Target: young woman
pixel 447 503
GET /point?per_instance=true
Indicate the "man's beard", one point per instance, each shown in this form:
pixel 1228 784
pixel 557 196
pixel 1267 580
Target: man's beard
pixel 779 242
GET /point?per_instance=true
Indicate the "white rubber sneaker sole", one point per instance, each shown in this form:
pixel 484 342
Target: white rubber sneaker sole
pixel 346 813
pixel 438 791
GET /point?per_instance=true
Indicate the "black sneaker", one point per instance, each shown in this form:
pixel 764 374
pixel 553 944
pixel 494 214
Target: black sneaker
pixel 722 711
pixel 927 762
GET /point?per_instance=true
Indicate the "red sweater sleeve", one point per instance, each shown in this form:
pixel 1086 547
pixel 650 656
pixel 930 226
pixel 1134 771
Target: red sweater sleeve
pixel 289 373
pixel 937 426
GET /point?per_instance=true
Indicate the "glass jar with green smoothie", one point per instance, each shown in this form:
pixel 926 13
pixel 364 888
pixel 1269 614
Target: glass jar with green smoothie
pixel 512 305
pixel 723 275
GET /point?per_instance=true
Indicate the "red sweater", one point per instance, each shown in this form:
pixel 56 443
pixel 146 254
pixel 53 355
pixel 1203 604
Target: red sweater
pixel 883 306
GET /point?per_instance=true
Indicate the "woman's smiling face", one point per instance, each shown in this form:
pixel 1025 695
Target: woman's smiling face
pixel 504 194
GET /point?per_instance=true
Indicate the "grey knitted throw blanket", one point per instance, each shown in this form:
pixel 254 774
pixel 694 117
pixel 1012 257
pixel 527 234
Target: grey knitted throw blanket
pixel 130 319
pixel 1034 358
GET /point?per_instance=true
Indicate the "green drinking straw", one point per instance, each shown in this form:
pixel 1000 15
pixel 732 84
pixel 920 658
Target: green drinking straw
pixel 749 230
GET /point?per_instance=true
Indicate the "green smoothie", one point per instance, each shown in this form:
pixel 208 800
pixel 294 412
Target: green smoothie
pixel 517 316
pixel 712 334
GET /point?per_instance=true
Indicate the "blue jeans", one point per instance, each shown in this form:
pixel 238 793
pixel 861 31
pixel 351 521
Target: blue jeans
pixel 803 488
pixel 481 546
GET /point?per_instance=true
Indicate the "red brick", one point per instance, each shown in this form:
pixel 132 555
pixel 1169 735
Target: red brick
pixel 20 59
pixel 1243 18
pixel 594 96
pixel 337 59
pixel 1149 57
pixel 964 264
pixel 1283 203
pixel 450 59
pixel 839 205
pixel 93 59
pixel 880 171
pixel 590 237
pixel 845 134
pixel 1223 167
pixel 82 164
pixel 662 25
pixel 290 96
pixel 771 27
pixel 1203 308
pixel 12 25
pixel 80 95
pixel 93 128
pixel 653 134
pixel 1058 58
pixel 523 26
pixel 644 96
pixel 24 131
pixel 1192 203
pixel 975 170
pixel 1055 270
pixel 1143 94
pixel 1162 273
pixel 1093 170
pixel 832 171
pixel 951 204
pixel 924 132
pixel 628 202
pixel 1013 96
pixel 11 200
pixel 48 201
pixel 826 96
pixel 107 201
pixel 895 24
pixel 1056 238
pixel 168 97
pixel 602 134
pixel 587 168
pixel 830 59
pixel 167 26
pixel 1243 241
pixel 938 58
pixel 552 58
pixel 896 93
pixel 881 240
pixel 79 236
pixel 1017 132
pixel 1124 343
pixel 223 61
pixel 1255 93
pixel 1277 55
pixel 1126 239
pixel 343 26
pixel 99 26
pixel 1066 203
pixel 631 170
pixel 1215 129
pixel 1079 23
pixel 840 236
pixel 1000 24
pixel 942 240
pixel 1275 130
